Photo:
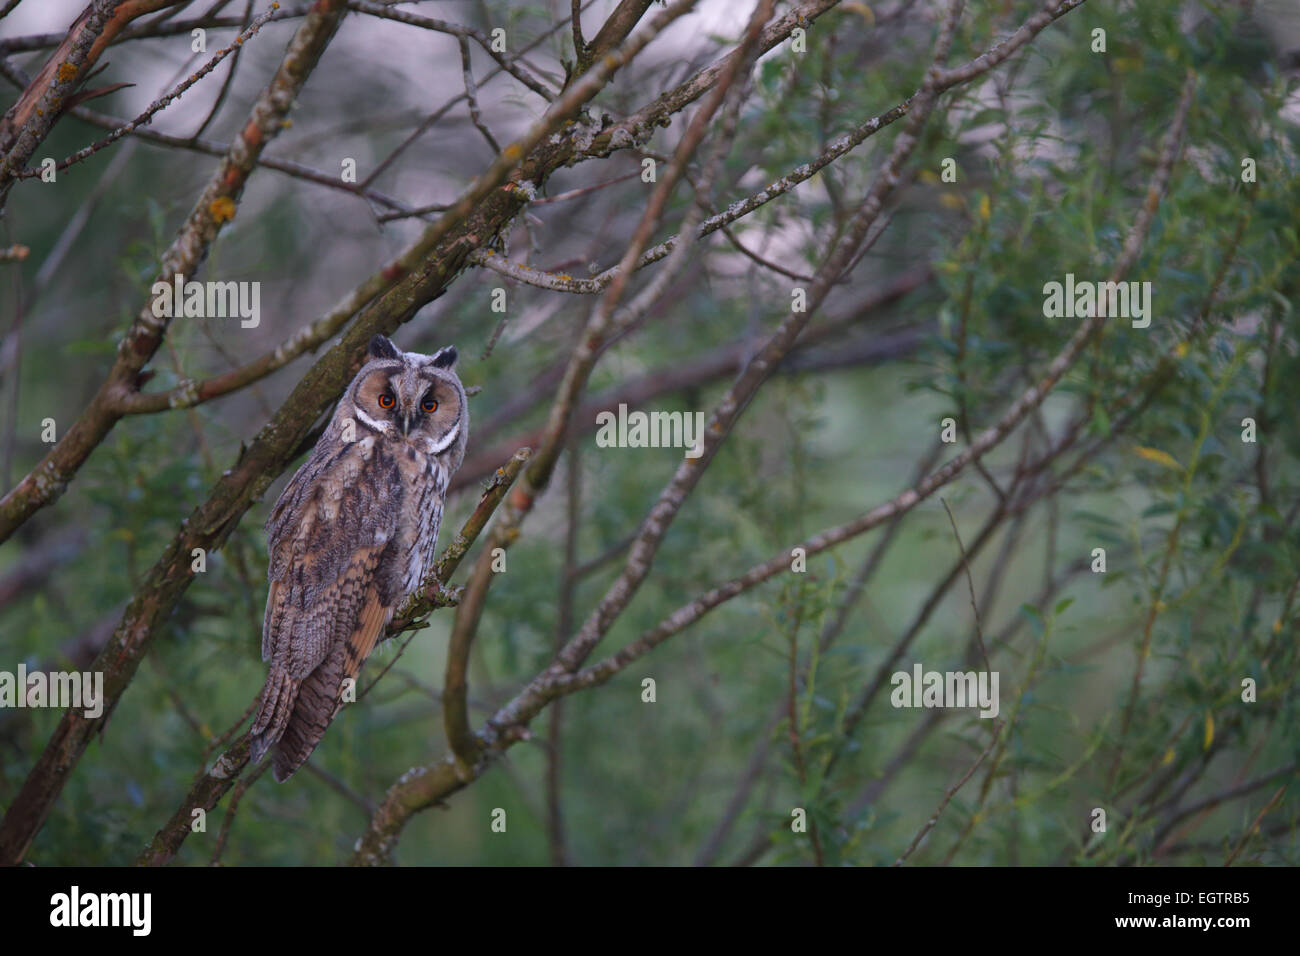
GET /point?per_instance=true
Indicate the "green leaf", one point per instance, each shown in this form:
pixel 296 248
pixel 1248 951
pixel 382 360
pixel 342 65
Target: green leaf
pixel 1035 619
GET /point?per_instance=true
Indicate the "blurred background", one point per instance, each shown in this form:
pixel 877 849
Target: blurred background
pixel 767 703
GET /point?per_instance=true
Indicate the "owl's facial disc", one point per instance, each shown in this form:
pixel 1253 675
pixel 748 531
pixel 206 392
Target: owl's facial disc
pixel 412 399
pixel 427 408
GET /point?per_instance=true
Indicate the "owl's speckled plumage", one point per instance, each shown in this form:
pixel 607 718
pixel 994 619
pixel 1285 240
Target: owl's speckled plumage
pixel 352 536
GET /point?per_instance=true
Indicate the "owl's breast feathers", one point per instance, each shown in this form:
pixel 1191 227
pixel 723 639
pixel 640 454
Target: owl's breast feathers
pixel 352 534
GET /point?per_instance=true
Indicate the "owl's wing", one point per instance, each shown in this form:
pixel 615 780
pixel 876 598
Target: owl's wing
pixel 289 529
pixel 329 601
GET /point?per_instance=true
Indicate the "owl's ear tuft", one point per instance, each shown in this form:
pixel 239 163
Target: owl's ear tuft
pixel 382 348
pixel 446 358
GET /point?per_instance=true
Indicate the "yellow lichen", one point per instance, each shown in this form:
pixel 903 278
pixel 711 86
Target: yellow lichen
pixel 222 209
pixel 67 72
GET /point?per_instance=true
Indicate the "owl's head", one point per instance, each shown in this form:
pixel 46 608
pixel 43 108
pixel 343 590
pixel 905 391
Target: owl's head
pixel 410 397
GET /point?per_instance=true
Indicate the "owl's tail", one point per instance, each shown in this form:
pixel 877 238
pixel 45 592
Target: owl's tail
pixel 314 709
pixel 293 715
pixel 273 712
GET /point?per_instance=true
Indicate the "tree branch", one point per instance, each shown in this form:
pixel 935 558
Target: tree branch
pixel 120 658
pixel 212 785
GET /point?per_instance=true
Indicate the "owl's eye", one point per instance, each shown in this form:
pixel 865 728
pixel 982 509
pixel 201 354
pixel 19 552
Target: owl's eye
pixel 429 406
pixel 386 400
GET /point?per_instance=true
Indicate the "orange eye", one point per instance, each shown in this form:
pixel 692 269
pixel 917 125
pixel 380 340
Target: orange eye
pixel 429 405
pixel 386 400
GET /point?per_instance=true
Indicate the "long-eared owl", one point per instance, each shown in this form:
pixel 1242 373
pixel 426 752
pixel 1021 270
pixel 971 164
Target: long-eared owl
pixel 352 536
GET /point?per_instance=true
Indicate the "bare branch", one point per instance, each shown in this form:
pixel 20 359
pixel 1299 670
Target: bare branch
pixel 212 148
pixel 947 798
pixel 30 119
pixel 229 81
pixel 471 94
pixel 756 373
pixel 39 41
pixel 44 782
pixel 508 63
pixel 158 105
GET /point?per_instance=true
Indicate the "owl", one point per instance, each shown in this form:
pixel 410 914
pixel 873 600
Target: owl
pixel 352 536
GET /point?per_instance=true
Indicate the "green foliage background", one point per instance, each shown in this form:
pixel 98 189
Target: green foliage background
pixel 1054 155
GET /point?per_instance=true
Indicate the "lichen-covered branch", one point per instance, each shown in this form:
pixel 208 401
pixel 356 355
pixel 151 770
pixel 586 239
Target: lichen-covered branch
pixel 29 120
pixel 422 787
pixel 121 657
pixel 158 105
pixel 216 206
pixel 389 299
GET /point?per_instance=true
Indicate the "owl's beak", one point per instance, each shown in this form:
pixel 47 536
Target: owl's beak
pixel 406 423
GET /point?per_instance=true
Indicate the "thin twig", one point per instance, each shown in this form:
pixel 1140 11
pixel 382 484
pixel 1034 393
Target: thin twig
pixel 970 584
pixel 943 804
pixel 228 821
pixel 508 62
pixel 229 81
pixel 471 93
pixel 157 105
pixel 1254 827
